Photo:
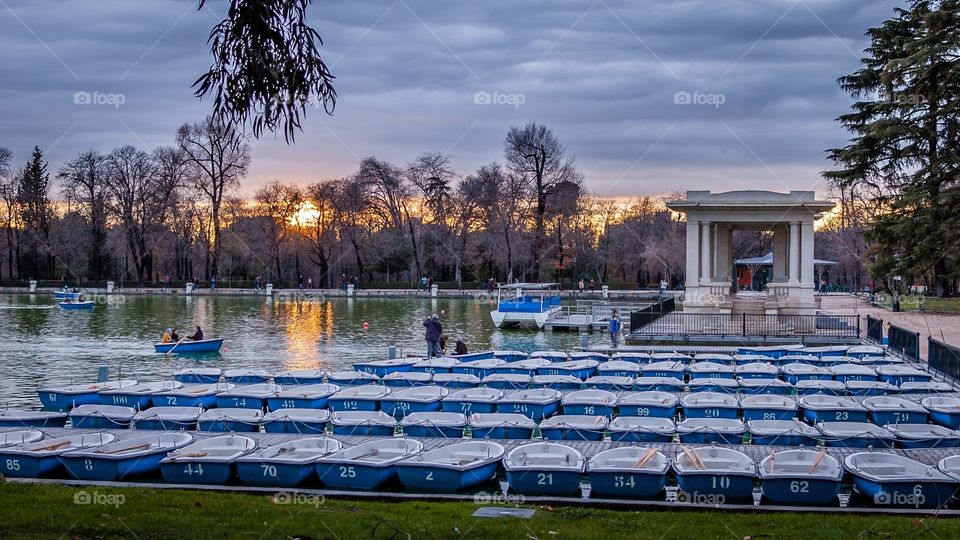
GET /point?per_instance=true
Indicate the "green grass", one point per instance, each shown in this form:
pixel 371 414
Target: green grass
pixel 910 302
pixel 50 511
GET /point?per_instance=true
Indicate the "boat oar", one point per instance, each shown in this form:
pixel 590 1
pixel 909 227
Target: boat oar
pixel 190 455
pixel 817 460
pixel 647 456
pixel 773 460
pixel 693 457
pixel 120 450
pixel 52 447
pixel 175 346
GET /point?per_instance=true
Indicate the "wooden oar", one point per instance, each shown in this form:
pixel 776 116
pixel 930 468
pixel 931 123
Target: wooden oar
pixel 190 455
pixel 773 460
pixel 647 456
pixel 52 447
pixel 693 457
pixel 818 459
pixel 120 450
pixel 175 346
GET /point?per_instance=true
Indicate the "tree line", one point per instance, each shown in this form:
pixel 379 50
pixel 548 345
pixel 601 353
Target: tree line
pixel 174 213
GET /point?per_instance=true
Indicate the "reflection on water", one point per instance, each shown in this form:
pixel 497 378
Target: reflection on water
pixel 45 345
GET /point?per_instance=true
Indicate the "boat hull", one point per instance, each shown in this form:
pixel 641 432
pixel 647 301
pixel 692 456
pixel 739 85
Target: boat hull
pixel 534 411
pixel 293 426
pixel 353 404
pixel 710 412
pixel 190 347
pixel 768 414
pixel 544 482
pixel 835 415
pixel 265 473
pixel 502 432
pixel 589 410
pixel 87 468
pixel 800 491
pixel 228 426
pixel 449 432
pixel 347 476
pixel 860 442
pixel 729 486
pixel 707 437
pixel 923 494
pixel 640 436
pixel 375 431
pixel 898 417
pixel 195 378
pixel 168 425
pixel 241 402
pixel 166 400
pixel 571 434
pixel 193 472
pixel 277 403
pixel 468 407
pixel 40 421
pixel 136 401
pixel 442 479
pixel 948 420
pixel 783 440
pixel 64 402
pixel 944 442
pixel 98 422
pixel 21 466
pixel 626 484
pixel 399 409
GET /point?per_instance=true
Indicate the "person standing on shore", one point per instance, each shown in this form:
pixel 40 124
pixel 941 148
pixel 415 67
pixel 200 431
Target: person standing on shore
pixel 615 328
pixel 432 335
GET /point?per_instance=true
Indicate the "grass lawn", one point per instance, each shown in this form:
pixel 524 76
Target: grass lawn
pixel 49 511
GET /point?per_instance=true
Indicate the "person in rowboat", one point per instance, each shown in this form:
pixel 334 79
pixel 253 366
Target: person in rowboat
pixel 167 336
pixel 197 336
pixel 174 336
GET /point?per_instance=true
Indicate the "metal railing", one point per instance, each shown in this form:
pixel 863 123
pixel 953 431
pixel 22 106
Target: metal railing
pixel 652 313
pixel 906 342
pixel 748 324
pixel 943 358
pixel 874 329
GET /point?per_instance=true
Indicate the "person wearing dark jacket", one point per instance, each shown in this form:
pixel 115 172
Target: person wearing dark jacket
pixel 432 335
pixel 460 348
pixel 197 336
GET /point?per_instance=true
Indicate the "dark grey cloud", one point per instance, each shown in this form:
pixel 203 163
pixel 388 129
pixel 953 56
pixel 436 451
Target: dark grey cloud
pixel 603 73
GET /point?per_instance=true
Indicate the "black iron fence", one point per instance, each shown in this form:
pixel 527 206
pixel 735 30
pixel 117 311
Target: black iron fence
pixel 651 313
pixel 748 324
pixel 943 358
pixel 874 329
pixel 906 342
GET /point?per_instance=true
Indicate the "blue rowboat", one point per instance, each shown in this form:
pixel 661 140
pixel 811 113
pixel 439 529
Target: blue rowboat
pixel 929 387
pixel 537 403
pixel 138 396
pixel 526 367
pixel 309 396
pixel 414 399
pixel 573 427
pixel 645 429
pixel 63 398
pixel 552 356
pixel 454 467
pixel 808 359
pixel 827 350
pixel 859 351
pixel 876 361
pixel 765 386
pixel 714 475
pixel 869 388
pixel 309 421
pixel 101 416
pixel 726 386
pixel 587 355
pixel 197 375
pixel 248 396
pixel 658 384
pixel 768 407
pixel 231 420
pixel 717 358
pixel 190 347
pixel 897 374
pixel 610 383
pixel 709 405
pixel 367 423
pixel 811 387
pixel 366 465
pixel 510 356
pixel 619 368
pixel 351 378
pixel 853 372
pixel 18 437
pixel 406 379
pixel 246 376
pixel 382 368
pixel 478 368
pixel 895 481
pixel 471 400
pixel 635 357
pixel 744 359
pixel 581 369
pixel 507 381
pixel 855 435
pixel 671 357
pixel 651 403
pixel 590 402
pixel 40 458
pixel 434 424
pixel 286 464
pixel 883 410
pixel 544 468
pixel 801 477
pixel 65 295
pixel 782 433
pixel 944 411
pixel 455 380
pixel 300 376
pixel 501 426
pixel 772 351
pixel 912 436
pixel 667 368
pixel 710 370
pixel 556 382
pixel 168 418
pixel 470 357
pixel 20 418
pixel 191 395
pixel 627 472
pixel 120 460
pixel 77 305
pixel 207 461
pixel 950 466
pixel 796 371
pixel 711 430
pixel 757 370
pixel 824 408
pixel 442 364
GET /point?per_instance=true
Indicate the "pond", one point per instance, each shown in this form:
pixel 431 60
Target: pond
pixel 47 346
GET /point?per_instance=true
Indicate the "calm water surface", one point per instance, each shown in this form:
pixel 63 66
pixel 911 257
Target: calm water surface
pixel 44 345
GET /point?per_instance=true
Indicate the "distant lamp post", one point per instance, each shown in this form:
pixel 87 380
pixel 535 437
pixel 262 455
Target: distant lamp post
pixel 896 285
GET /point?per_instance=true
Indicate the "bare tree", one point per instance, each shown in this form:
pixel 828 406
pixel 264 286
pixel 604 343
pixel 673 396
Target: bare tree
pixel 8 194
pixel 279 204
pixel 85 184
pixel 221 156
pixel 321 224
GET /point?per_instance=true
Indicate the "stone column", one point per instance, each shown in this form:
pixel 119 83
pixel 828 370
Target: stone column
pixel 794 252
pixel 706 252
pixel 722 265
pixel 806 254
pixel 779 254
pixel 693 253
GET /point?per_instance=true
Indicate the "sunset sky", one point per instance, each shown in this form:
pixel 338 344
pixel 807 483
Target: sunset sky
pixel 651 96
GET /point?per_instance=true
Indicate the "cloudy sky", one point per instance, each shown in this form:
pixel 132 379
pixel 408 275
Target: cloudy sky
pixel 651 96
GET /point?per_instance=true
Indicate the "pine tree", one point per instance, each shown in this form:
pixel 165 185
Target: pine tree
pixel 34 210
